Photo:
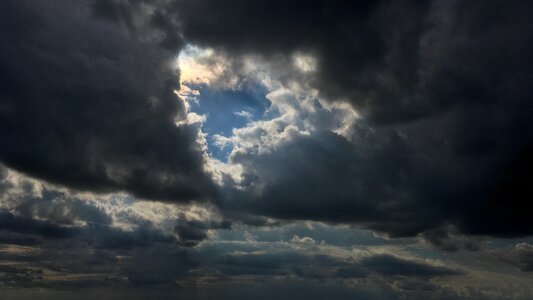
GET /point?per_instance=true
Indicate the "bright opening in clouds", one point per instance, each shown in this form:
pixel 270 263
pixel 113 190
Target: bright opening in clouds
pixel 265 149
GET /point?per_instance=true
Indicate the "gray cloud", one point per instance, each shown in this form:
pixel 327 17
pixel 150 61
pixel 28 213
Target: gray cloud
pixel 191 232
pixel 441 151
pixel 447 239
pixel 390 265
pixel 61 209
pixel 520 256
pixel 442 88
pixel 88 102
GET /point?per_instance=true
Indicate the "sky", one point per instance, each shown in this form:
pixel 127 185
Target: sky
pixel 266 149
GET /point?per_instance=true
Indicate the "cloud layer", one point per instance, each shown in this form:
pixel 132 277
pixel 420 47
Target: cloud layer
pixel 266 149
pixel 443 92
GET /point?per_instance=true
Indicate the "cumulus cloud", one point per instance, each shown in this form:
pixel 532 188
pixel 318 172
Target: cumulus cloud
pixel 384 139
pixel 89 102
pixel 441 133
pixel 519 256
pixel 448 239
pixel 193 231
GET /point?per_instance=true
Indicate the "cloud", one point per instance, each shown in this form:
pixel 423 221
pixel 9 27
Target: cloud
pixel 447 239
pixel 390 72
pixel 192 232
pixel 325 177
pixel 440 118
pixel 441 89
pixel 61 209
pixel 89 102
pixel 320 266
pixel 26 225
pixel 411 119
pixel 390 265
pixel 383 179
pixel 520 256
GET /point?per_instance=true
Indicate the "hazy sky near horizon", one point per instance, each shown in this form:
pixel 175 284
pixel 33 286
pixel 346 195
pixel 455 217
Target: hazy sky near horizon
pixel 210 149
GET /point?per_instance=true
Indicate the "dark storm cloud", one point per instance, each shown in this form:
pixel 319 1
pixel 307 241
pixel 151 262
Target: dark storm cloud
pixel 448 240
pixel 80 263
pixel 26 225
pixel 442 149
pixel 444 90
pixel 192 232
pixel 384 181
pixel 86 99
pixel 390 265
pixel 87 255
pixel 33 219
pixel 521 256
pixel 4 183
pixel 327 178
pixel 95 234
pixel 394 60
pixel 27 217
pixel 8 237
pixel 323 266
pixel 61 209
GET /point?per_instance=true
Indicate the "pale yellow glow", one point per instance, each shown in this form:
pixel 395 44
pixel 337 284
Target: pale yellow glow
pixel 200 66
pixel 305 63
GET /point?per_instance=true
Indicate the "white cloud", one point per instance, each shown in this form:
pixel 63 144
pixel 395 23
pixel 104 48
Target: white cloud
pixel 295 108
pixel 245 114
pixel 305 63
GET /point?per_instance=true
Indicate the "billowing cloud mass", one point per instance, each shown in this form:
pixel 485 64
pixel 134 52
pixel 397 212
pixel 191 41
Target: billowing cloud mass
pixel 223 149
pixel 87 100
pixel 443 90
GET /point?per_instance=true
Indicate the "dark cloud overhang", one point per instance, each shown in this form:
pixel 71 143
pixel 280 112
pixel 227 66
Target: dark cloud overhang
pixel 450 80
pixel 192 232
pixel 443 89
pixel 395 61
pixel 384 183
pixel 87 100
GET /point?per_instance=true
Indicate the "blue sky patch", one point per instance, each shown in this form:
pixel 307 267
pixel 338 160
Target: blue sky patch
pixel 229 109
